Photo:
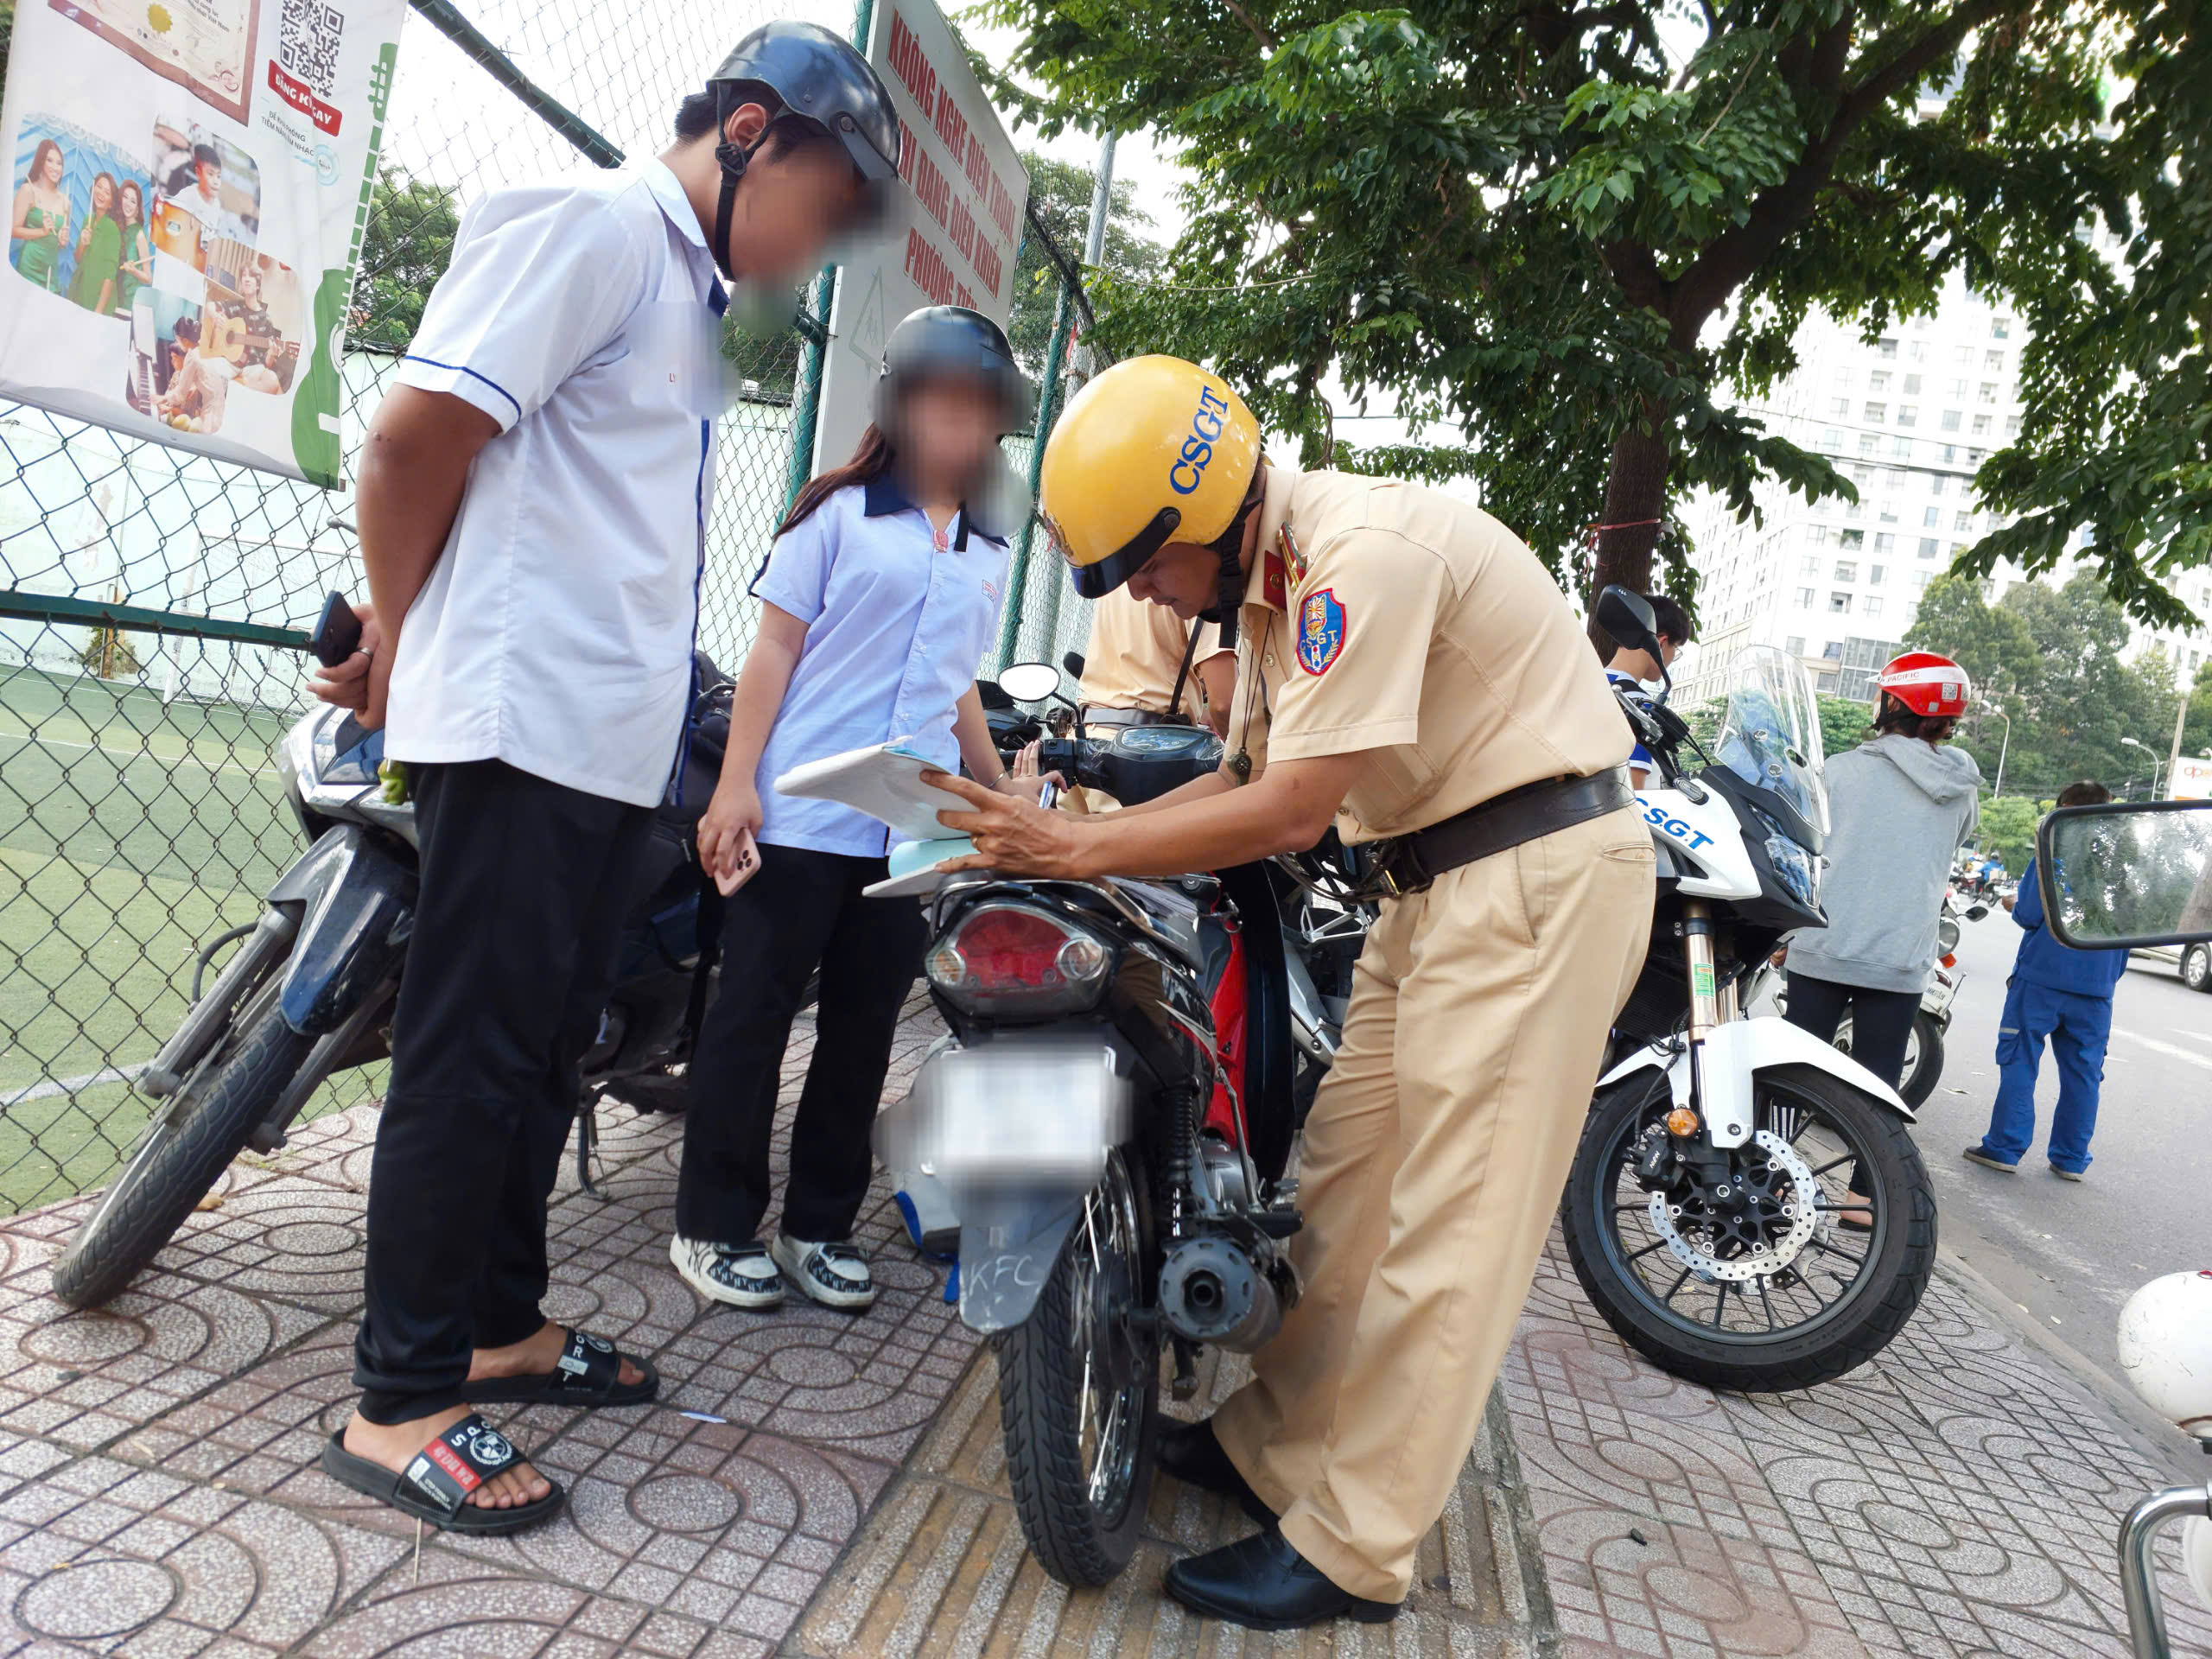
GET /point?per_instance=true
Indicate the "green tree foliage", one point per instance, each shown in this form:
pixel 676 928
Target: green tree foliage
pixel 1843 724
pixel 2049 658
pixel 1059 194
pixel 1572 243
pixel 2008 829
pixel 404 250
pixel 2197 735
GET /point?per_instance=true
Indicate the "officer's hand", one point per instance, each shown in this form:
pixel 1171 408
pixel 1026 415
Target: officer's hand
pixel 1024 778
pixel 1014 836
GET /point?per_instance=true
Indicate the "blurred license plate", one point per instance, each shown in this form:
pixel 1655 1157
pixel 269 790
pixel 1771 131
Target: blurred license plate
pixel 1013 1111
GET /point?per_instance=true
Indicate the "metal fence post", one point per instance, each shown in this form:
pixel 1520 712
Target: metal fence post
pixel 1018 582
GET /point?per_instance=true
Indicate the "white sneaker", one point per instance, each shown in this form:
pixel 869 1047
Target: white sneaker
pixel 743 1275
pixel 835 1274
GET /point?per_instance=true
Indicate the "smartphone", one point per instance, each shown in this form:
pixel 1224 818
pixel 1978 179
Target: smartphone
pixel 748 865
pixel 338 634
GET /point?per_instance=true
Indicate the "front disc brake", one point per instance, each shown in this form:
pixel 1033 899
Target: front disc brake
pixel 1798 1213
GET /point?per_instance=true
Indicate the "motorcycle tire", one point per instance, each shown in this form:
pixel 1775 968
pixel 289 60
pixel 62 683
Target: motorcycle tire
pixel 1045 1367
pixel 181 1158
pixel 1927 1068
pixel 1796 1357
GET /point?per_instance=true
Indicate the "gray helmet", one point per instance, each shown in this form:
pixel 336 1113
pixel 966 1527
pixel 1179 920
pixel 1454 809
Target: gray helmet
pixel 818 79
pixel 948 340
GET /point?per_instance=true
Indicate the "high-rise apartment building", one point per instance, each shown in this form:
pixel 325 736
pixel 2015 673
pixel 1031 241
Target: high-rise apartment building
pixel 1908 416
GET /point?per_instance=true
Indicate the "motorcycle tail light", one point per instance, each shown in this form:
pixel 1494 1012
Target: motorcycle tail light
pixel 1009 959
pixel 1950 962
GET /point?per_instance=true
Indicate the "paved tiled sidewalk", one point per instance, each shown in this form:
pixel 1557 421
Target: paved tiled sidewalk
pixel 158 1497
pixel 158 1494
pixel 1959 1497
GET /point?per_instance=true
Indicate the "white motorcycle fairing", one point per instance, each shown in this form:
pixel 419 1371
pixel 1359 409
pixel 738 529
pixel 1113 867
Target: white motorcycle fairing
pixel 1736 1052
pixel 1703 836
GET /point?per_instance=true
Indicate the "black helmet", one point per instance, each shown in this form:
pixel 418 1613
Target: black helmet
pixel 819 79
pixel 952 340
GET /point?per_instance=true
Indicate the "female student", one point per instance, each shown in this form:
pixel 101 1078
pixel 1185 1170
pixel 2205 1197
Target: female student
pixel 878 602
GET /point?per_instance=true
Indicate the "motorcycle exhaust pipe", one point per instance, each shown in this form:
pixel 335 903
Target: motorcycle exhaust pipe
pixel 1210 1291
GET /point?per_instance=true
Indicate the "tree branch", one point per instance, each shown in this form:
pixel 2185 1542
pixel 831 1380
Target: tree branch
pixel 1780 207
pixel 1266 41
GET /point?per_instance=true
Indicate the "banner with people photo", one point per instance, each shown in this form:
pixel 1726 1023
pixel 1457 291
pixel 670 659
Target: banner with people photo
pixel 190 181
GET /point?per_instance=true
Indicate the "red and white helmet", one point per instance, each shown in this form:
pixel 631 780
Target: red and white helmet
pixel 1933 687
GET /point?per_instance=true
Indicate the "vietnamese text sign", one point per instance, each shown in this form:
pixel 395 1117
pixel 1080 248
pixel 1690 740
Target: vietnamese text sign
pixel 956 227
pixel 190 181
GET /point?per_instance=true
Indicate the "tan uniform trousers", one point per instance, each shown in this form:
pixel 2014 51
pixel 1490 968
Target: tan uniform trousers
pixel 1433 1164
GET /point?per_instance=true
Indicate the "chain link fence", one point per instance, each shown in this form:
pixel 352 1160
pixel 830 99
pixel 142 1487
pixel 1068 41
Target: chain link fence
pixel 153 604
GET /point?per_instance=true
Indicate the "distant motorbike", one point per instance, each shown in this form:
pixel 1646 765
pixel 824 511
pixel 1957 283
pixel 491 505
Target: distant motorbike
pixel 309 990
pixel 1769 992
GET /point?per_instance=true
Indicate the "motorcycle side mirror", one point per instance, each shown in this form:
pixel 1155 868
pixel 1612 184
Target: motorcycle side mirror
pixel 1975 913
pixel 1628 616
pixel 2126 875
pixel 1073 663
pixel 1030 682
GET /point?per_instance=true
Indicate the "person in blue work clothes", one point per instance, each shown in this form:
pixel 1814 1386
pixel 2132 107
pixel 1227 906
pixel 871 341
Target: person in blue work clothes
pixel 531 502
pixel 878 602
pixel 2063 995
pixel 1633 666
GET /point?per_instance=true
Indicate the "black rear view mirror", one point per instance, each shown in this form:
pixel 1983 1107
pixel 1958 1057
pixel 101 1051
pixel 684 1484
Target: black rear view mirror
pixel 2126 875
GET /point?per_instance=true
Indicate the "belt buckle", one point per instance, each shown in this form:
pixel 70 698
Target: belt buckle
pixel 1386 874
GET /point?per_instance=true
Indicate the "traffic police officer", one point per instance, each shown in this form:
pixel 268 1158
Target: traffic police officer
pixel 1405 661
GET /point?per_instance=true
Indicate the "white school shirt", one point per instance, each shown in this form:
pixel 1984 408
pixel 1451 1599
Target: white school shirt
pixel 897 626
pixel 555 632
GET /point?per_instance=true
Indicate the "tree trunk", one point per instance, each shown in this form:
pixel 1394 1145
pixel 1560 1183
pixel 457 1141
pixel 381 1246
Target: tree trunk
pixel 1636 499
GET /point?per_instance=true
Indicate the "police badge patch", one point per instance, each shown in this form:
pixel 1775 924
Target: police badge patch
pixel 1320 632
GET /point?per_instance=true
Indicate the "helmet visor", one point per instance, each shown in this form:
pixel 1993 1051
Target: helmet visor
pixel 1102 577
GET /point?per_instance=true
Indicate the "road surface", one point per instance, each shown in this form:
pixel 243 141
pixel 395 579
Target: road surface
pixel 2070 1255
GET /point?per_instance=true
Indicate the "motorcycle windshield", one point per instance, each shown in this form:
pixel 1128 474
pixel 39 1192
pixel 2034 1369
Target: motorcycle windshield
pixel 1770 731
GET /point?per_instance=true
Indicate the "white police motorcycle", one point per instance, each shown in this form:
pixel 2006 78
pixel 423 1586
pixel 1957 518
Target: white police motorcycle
pixel 1711 1214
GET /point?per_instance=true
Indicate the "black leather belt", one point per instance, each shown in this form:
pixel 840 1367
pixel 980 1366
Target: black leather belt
pixel 1407 864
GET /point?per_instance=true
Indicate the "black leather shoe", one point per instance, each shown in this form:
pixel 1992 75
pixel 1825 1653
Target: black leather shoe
pixel 1264 1584
pixel 1190 1453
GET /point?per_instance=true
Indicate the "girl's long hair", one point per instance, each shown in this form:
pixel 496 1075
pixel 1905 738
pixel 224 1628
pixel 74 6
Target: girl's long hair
pixel 114 197
pixel 871 459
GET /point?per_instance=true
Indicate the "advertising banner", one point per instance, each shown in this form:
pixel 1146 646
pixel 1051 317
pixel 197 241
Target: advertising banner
pixel 955 230
pixel 190 181
pixel 2192 779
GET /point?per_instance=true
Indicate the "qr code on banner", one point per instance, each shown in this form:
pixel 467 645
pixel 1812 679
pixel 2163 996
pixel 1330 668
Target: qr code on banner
pixel 307 42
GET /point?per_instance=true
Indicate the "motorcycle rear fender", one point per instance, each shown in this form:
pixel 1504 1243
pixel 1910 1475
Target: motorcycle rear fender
pixel 359 909
pixel 1008 1245
pixel 1732 1056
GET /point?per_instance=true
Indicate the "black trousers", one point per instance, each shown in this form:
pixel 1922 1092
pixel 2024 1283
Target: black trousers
pixel 1881 1024
pixel 525 883
pixel 802 910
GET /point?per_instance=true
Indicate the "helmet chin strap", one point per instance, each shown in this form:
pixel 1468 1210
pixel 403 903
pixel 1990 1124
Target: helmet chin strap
pixel 1229 594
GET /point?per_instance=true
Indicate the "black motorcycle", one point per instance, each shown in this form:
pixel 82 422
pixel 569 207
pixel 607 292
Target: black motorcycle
pixel 310 987
pixel 1147 1209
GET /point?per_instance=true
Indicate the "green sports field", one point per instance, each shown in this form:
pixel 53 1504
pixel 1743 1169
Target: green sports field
pixel 131 832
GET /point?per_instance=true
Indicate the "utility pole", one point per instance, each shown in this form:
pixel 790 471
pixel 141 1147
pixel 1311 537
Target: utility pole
pixel 2180 719
pixel 1094 250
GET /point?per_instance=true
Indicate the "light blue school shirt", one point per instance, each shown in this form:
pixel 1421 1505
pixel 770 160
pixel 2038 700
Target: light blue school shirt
pixel 897 625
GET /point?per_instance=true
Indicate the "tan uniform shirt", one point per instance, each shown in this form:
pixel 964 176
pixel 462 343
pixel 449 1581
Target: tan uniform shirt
pixel 1135 651
pixel 1400 623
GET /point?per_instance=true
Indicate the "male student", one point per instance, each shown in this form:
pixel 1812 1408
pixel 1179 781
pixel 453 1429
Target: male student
pixel 532 506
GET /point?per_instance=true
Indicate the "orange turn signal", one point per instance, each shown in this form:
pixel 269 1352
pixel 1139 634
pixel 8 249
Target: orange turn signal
pixel 1682 1122
pixel 1950 962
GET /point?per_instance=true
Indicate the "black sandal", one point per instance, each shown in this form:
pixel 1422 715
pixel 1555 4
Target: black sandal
pixel 438 1480
pixel 587 1375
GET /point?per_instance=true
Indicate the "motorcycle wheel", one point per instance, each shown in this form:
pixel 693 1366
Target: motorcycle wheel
pixel 1923 1056
pixel 184 1150
pixel 1079 1392
pixel 1786 1329
pixel 1924 1060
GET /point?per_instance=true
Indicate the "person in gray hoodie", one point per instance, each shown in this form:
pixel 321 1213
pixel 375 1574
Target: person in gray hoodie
pixel 1901 806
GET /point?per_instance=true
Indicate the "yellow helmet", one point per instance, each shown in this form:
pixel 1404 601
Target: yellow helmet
pixel 1153 450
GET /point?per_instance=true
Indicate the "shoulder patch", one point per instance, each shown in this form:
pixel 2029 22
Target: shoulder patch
pixel 1320 632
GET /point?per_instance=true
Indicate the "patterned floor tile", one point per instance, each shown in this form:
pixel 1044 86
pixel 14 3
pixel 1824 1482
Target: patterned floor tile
pixel 1956 1496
